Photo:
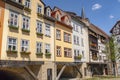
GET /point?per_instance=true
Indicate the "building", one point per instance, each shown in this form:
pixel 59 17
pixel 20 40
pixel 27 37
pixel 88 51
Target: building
pixel 115 31
pixel 80 42
pixel 63 44
pixel 27 39
pixel 97 45
pixel 2 9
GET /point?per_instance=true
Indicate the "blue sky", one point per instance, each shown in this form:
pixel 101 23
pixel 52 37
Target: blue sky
pixel 102 13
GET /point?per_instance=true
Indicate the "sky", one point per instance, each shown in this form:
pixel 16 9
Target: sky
pixel 102 13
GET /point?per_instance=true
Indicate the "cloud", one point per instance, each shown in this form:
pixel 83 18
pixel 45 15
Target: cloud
pixel 96 6
pixel 111 17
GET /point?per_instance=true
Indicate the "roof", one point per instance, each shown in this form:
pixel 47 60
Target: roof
pixel 98 30
pixel 114 26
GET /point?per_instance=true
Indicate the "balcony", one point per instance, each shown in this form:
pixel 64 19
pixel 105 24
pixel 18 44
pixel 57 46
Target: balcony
pixel 15 3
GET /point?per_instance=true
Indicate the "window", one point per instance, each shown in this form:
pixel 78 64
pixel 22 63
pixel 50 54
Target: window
pixel 19 1
pixel 24 45
pixel 27 3
pixel 13 20
pixel 39 9
pixel 39 47
pixel 48 12
pixel 67 37
pixel 47 29
pixel 76 28
pixel 73 26
pixel 76 52
pixel 76 40
pixel 47 48
pixel 82 42
pixel 39 27
pixel 12 44
pixel 83 54
pixel 58 17
pixel 49 74
pixel 26 23
pixel 58 51
pixel 67 52
pixel 58 34
pixel 81 30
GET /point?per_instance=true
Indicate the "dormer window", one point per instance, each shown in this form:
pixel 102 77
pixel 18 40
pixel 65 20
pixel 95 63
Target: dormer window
pixel 27 3
pixel 48 12
pixel 58 17
pixel 39 9
pixel 18 1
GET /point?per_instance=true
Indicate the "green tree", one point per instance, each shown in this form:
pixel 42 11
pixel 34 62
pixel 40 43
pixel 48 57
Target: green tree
pixel 112 51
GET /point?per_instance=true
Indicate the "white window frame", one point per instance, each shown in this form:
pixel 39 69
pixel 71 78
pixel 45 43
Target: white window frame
pixel 27 3
pixel 47 30
pixel 58 50
pixel 47 47
pixel 58 34
pixel 48 12
pixel 39 27
pixel 13 20
pixel 25 23
pixel 39 9
pixel 25 46
pixel 38 47
pixel 12 43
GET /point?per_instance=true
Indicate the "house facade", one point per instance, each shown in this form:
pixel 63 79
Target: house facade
pixel 97 46
pixel 80 48
pixel 115 31
pixel 27 39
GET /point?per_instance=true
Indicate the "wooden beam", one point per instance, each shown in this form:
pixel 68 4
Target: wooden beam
pixel 79 71
pixel 30 72
pixel 60 73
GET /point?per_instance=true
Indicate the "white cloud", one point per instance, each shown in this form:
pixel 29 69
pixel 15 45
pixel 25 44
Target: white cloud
pixel 96 6
pixel 111 17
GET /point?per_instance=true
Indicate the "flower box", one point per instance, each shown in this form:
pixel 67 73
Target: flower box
pixel 13 27
pixel 39 54
pixel 78 57
pixel 48 55
pixel 24 52
pixel 11 51
pixel 39 15
pixel 39 34
pixel 27 9
pixel 25 30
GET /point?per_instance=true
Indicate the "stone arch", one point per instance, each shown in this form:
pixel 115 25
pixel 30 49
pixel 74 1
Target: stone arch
pixel 9 75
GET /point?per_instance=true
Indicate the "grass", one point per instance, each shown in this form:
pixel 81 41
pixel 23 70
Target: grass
pixel 102 78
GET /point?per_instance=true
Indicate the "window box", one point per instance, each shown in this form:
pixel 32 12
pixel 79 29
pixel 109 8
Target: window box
pixel 39 15
pixel 78 57
pixel 25 30
pixel 13 27
pixel 95 58
pixel 48 55
pixel 39 34
pixel 27 9
pixel 39 54
pixel 11 51
pixel 24 52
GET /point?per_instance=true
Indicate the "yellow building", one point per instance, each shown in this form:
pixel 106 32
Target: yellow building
pixel 28 38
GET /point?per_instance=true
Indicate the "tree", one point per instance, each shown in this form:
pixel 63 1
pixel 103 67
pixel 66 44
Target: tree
pixel 112 51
